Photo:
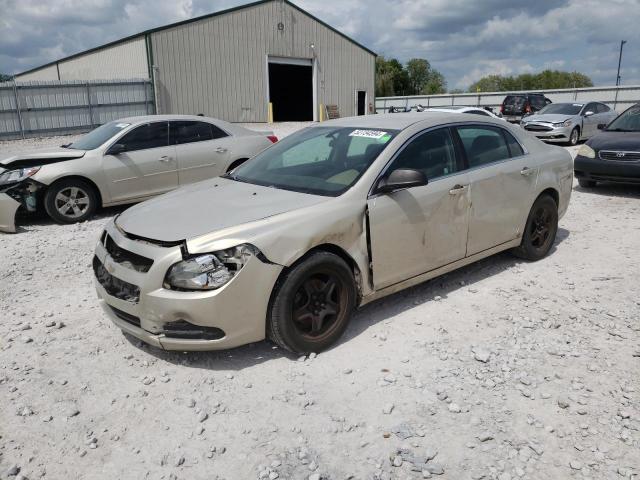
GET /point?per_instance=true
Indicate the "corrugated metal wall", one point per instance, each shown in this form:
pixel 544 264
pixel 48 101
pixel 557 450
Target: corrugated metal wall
pixel 57 107
pixel 123 60
pixel 618 98
pixel 218 66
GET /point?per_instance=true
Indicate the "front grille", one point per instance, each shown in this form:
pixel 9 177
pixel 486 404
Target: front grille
pixel 185 330
pixel 538 128
pixel 124 257
pixel 114 286
pixel 619 156
pixel 127 317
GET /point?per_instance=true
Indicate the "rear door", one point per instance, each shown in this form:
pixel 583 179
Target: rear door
pixel 203 150
pixel 146 167
pixel 502 180
pixel 419 229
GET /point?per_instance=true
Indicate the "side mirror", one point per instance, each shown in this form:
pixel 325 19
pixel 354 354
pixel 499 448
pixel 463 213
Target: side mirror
pixel 589 113
pixel 401 179
pixel 116 149
pixel 602 126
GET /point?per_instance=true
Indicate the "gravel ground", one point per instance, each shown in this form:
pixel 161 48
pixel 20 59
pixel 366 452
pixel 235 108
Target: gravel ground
pixel 502 370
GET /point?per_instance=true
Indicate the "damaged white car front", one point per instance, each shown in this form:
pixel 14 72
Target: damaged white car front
pixel 17 189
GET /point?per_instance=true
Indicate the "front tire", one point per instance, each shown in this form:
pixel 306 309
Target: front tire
pixel 312 304
pixel 70 201
pixel 540 230
pixel 574 137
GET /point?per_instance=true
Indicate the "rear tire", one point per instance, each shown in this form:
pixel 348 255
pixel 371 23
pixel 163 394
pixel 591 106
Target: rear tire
pixel 540 230
pixel 312 304
pixel 584 183
pixel 70 200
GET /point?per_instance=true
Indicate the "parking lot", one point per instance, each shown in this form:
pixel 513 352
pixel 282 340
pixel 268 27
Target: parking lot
pixel 501 370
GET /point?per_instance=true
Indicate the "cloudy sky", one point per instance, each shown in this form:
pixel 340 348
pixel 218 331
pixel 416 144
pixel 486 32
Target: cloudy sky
pixel 464 39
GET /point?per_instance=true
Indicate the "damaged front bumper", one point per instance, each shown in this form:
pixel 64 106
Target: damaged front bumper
pixel 12 198
pixel 129 277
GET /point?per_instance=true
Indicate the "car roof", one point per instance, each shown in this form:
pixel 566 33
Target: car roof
pixel 401 121
pixel 151 118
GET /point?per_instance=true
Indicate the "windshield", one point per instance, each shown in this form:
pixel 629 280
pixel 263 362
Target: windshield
pixel 318 160
pixel 99 136
pixel 561 109
pixel 628 121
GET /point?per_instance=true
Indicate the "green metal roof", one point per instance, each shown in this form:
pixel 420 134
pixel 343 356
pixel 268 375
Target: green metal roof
pixel 192 20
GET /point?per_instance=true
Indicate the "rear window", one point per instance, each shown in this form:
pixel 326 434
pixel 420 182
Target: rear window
pixel 517 100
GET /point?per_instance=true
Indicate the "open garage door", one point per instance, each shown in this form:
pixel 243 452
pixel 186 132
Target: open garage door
pixel 291 89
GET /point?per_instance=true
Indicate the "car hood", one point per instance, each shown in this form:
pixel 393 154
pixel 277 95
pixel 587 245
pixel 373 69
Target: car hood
pixel 41 157
pixel 209 206
pixel 626 141
pixel 551 118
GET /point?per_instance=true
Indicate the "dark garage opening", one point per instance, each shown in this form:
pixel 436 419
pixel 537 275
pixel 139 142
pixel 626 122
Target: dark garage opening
pixel 291 92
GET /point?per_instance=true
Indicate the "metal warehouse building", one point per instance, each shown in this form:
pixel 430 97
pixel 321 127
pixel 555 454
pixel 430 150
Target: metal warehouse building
pixel 234 63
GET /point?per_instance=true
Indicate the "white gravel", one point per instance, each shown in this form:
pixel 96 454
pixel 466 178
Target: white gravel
pixel 502 370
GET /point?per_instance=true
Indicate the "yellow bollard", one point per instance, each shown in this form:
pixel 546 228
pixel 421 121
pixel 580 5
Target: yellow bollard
pixel 322 119
pixel 270 114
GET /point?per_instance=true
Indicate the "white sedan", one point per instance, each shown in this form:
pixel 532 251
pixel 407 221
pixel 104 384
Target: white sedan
pixel 123 161
pixel 461 109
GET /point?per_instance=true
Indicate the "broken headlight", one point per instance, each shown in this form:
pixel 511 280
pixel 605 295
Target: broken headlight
pixel 208 271
pixel 18 175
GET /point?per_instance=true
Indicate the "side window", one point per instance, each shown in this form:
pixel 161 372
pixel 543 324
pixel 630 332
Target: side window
pixel 149 135
pixel 479 112
pixel 514 147
pixel 602 108
pixel 537 101
pixel 431 152
pixel 191 132
pixel 590 107
pixel 483 145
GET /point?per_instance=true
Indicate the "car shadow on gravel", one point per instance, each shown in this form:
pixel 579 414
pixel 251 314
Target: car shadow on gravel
pixel 443 286
pixel 378 311
pixel 612 190
pixel 24 222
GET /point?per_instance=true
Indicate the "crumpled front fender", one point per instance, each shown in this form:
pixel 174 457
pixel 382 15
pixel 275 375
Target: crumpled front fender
pixel 8 209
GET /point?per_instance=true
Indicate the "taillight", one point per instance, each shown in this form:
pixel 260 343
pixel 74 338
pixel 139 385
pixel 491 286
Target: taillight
pixel 527 108
pixel 272 138
pixel 502 108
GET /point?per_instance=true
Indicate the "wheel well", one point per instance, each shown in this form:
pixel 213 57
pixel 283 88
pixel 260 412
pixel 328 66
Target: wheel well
pixel 553 193
pixel 84 179
pixel 236 163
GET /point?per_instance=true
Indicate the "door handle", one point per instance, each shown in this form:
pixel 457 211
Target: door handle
pixel 526 171
pixel 165 158
pixel 457 189
pixel 221 150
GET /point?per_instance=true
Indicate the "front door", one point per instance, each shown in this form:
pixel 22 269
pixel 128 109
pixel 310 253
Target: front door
pixel 146 167
pixel 502 185
pixel 203 150
pixel 590 122
pixel 422 228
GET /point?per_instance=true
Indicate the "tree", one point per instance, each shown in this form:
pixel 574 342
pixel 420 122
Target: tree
pixel 423 79
pixel 545 80
pixel 417 77
pixel 5 78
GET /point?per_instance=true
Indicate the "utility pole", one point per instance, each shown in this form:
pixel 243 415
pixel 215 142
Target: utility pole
pixel 619 62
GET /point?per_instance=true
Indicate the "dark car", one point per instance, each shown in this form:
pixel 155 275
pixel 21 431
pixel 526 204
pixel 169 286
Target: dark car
pixel 516 106
pixel 613 155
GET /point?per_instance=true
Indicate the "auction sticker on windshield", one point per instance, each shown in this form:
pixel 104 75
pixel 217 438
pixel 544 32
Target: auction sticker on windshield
pixel 368 134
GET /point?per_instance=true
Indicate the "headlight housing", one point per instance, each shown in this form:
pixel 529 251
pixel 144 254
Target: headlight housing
pixel 17 175
pixel 209 271
pixel 566 123
pixel 586 151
